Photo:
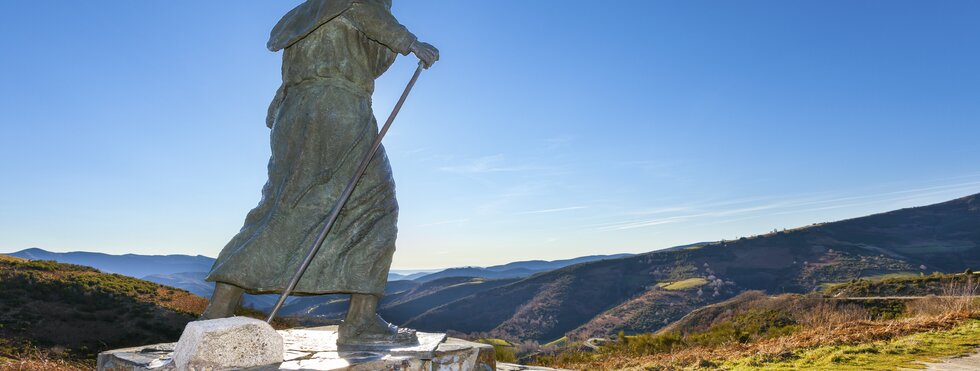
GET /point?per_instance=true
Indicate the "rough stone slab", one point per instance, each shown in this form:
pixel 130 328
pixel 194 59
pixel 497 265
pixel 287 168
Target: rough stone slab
pixel 315 349
pixel 456 354
pixel 228 343
pixel 324 339
pixel 145 358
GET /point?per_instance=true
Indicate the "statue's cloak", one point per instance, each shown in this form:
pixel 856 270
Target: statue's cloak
pixel 322 126
pixel 303 19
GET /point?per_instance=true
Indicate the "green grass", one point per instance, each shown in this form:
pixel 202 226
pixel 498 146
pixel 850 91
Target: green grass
pixel 903 352
pixel 752 325
pixel 902 284
pixel 828 286
pixel 503 350
pixel 475 281
pixel 900 275
pixel 505 354
pixel 558 343
pixel 495 342
pixel 689 283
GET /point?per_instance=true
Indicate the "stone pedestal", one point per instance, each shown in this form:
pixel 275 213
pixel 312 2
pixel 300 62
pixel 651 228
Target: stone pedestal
pixel 316 349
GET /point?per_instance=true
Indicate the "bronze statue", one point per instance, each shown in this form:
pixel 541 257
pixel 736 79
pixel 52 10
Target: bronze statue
pixel 322 124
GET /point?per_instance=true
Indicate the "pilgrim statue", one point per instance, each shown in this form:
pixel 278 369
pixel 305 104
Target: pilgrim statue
pixel 322 124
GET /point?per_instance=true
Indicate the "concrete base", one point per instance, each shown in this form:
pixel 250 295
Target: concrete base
pixel 316 349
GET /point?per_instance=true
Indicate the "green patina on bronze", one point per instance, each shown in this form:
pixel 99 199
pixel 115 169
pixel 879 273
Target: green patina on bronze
pixel 322 125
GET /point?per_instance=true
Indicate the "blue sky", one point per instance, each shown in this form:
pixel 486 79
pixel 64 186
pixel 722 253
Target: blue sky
pixel 550 129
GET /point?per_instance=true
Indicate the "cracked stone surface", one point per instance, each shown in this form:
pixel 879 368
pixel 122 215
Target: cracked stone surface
pixel 316 349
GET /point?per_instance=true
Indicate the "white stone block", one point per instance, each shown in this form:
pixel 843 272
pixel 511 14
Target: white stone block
pixel 227 343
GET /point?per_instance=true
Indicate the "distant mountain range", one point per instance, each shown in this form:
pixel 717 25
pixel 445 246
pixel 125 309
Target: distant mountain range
pixel 403 300
pixel 519 269
pixel 393 276
pixel 188 273
pixel 128 265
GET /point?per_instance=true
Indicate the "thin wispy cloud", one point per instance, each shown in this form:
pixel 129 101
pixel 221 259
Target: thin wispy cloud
pixel 486 164
pixel 416 151
pixel 709 205
pixel 555 210
pixel 503 202
pixel 691 212
pixel 447 222
pixel 658 211
pixel 645 223
pixel 557 142
pixel 785 205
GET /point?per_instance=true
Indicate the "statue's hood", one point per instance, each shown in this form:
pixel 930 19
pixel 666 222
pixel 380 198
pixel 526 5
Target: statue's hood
pixel 303 20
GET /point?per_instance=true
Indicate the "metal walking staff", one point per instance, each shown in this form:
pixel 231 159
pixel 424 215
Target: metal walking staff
pixel 335 212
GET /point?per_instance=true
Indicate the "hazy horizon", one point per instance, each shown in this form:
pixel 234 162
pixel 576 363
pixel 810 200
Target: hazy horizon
pixel 410 270
pixel 547 131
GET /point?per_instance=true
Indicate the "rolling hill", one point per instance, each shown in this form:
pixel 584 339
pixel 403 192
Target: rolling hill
pixel 403 300
pixel 194 283
pixel 518 269
pixel 72 312
pixel 402 307
pixel 644 292
pixel 129 264
pixel 477 272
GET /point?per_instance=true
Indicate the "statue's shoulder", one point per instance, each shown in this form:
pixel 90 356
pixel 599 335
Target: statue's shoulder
pixel 304 19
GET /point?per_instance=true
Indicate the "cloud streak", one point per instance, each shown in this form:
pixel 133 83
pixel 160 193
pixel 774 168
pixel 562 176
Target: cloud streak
pixel 447 222
pixel 787 205
pixel 486 164
pixel 556 210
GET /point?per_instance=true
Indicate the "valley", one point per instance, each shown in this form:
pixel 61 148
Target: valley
pixel 897 271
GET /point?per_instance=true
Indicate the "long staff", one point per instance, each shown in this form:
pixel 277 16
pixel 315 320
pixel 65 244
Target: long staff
pixel 343 199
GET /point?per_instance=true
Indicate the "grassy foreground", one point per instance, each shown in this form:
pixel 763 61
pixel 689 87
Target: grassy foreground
pixel 793 332
pixel 903 352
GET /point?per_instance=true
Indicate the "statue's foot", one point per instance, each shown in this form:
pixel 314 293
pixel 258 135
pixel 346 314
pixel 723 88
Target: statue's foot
pixel 374 330
pixel 223 301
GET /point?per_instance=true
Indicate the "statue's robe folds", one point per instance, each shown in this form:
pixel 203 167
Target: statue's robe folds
pixel 322 126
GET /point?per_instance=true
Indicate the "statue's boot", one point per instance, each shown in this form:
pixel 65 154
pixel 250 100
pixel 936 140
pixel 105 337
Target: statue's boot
pixel 363 325
pixel 223 302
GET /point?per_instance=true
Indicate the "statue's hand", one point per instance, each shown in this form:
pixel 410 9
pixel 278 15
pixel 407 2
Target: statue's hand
pixel 426 53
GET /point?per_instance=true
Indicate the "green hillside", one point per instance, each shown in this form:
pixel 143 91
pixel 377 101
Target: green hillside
pixel 403 300
pixel 635 294
pixel 402 307
pixel 51 312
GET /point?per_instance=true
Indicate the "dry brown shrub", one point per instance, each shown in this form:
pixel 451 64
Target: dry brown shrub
pixel 826 315
pixel 957 299
pixel 46 365
pixel 37 359
pixel 823 323
pixel 181 301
